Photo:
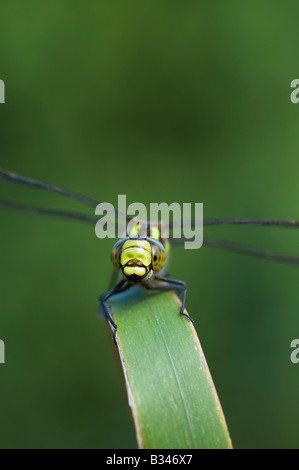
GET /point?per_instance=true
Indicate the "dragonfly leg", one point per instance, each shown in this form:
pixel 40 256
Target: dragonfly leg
pixel 105 307
pixel 172 284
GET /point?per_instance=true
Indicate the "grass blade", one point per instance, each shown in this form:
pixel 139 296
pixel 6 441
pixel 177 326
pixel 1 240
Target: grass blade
pixel 170 389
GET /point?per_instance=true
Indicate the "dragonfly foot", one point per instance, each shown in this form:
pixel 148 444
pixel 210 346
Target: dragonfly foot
pixel 187 316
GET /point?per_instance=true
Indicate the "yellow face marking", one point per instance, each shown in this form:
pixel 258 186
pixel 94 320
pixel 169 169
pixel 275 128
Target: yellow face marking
pixel 138 270
pixel 138 256
pixel 155 233
pixel 135 253
pixel 137 242
pixel 135 230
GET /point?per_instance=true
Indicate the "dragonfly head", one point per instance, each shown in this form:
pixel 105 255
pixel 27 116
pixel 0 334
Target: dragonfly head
pixel 138 258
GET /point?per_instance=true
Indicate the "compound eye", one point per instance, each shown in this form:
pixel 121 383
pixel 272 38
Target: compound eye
pixel 116 253
pixel 158 257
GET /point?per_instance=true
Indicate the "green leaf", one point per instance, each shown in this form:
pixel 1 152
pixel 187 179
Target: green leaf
pixel 170 389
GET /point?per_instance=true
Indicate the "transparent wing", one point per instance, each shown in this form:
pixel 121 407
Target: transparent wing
pixel 245 250
pixel 8 176
pixel 14 206
pixel 238 221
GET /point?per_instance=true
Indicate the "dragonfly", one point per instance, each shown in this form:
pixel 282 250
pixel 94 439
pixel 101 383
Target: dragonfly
pixel 141 260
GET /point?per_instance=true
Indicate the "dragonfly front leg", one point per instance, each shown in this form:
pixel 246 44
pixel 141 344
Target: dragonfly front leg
pixel 105 307
pixel 172 284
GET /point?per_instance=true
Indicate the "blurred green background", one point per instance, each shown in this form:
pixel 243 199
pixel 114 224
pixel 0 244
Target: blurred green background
pixel 161 101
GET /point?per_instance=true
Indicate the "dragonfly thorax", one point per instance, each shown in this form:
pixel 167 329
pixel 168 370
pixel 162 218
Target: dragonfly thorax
pixel 138 258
